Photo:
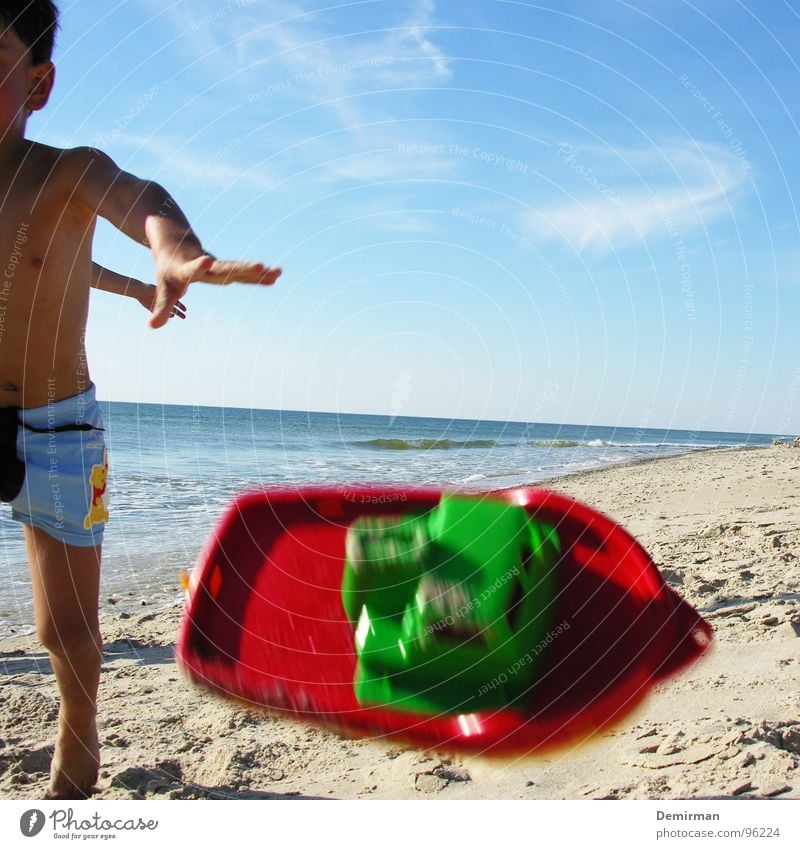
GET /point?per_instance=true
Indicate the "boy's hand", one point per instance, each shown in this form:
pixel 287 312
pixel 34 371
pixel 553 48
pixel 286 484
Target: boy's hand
pixel 146 296
pixel 147 213
pixel 174 276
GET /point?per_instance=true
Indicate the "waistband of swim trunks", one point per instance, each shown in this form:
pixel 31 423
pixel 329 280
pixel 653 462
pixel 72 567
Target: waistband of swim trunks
pixel 66 411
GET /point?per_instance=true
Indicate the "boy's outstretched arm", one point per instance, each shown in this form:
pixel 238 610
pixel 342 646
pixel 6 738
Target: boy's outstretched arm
pixel 147 213
pixel 118 284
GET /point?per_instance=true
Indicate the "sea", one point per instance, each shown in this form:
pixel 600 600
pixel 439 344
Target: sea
pixel 173 469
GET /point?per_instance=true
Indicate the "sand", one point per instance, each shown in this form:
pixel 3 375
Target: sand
pixel 724 528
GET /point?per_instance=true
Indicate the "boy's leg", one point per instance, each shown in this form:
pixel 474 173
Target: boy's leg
pixel 66 585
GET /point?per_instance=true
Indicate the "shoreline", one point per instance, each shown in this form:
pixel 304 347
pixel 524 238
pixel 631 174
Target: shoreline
pixel 637 461
pixel 119 600
pixel 124 610
pixel 723 525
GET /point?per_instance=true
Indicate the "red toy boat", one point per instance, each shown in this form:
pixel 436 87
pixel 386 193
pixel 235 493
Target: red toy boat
pixel 264 622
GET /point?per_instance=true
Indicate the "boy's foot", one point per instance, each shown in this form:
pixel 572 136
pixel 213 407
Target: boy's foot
pixel 75 765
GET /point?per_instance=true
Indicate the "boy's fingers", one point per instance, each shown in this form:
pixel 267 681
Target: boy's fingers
pixel 196 268
pixel 223 272
pixel 158 318
pixel 165 301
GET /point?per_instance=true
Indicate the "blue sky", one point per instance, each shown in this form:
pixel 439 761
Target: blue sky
pixel 559 211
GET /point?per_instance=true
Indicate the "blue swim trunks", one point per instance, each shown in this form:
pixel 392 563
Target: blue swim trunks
pixel 63 448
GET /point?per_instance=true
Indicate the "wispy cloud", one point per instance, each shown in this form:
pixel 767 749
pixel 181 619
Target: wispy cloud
pixel 620 198
pixel 402 217
pixel 385 164
pixel 217 169
pixel 319 85
pixel 401 51
pixel 320 56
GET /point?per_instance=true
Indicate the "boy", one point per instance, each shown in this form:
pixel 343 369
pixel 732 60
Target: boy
pixel 50 425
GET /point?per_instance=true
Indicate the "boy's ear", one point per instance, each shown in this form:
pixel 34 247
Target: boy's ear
pixel 40 84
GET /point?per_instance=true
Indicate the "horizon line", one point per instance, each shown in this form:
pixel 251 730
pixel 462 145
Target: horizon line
pixel 435 418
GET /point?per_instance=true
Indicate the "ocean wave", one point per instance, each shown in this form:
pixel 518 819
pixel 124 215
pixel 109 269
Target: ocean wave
pixel 568 443
pixel 423 444
pixel 556 443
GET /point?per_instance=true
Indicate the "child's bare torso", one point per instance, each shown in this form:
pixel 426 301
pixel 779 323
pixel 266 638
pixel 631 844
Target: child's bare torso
pixel 45 256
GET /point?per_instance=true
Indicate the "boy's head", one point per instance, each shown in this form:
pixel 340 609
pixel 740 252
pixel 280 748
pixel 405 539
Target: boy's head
pixel 27 33
pixel 35 23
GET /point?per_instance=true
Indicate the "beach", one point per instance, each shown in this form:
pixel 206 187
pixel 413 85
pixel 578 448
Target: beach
pixel 723 525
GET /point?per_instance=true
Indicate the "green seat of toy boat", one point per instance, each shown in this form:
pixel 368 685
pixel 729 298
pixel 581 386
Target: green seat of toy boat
pixel 446 600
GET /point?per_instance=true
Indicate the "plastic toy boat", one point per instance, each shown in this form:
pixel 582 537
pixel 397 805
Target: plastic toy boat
pixel 499 623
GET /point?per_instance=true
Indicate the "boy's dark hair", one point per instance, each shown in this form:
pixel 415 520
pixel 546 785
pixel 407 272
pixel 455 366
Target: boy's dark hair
pixel 35 22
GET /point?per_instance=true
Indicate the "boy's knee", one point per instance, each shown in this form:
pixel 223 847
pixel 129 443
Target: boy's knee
pixel 70 638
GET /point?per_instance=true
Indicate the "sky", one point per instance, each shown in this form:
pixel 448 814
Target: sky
pixel 563 211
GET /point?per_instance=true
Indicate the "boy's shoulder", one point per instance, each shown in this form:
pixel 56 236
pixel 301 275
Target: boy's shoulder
pixel 74 170
pixel 37 152
pixel 47 164
pixel 82 158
